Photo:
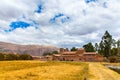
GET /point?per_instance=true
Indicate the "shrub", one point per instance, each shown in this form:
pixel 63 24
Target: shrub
pixel 50 53
pixel 11 57
pixel 25 57
pixel 112 59
pixel 1 57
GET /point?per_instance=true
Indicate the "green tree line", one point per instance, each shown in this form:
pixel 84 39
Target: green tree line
pixel 15 57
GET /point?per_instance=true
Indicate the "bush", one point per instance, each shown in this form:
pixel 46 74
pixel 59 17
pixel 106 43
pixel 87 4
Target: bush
pixel 11 57
pixel 112 59
pixel 50 53
pixel 25 57
pixel 1 57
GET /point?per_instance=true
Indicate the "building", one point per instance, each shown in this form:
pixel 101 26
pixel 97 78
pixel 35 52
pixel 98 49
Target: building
pixel 79 55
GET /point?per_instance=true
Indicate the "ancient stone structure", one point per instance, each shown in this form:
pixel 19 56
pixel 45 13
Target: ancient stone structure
pixel 79 55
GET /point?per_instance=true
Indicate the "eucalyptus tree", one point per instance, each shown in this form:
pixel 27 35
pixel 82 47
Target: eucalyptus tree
pixel 107 43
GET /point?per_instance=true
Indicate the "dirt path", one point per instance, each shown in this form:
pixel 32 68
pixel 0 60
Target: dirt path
pixel 100 72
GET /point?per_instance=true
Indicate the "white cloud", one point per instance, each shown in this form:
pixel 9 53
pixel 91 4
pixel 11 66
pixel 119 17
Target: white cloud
pixel 87 21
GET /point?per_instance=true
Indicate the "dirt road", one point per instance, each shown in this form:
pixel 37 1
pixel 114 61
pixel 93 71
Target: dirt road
pixel 99 72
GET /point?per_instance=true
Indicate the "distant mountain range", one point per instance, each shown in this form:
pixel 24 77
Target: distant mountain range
pixel 34 50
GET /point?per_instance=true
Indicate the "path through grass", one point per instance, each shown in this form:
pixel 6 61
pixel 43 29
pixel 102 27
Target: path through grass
pixel 99 72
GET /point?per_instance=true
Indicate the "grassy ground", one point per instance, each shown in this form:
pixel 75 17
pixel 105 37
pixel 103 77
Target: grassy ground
pixel 37 70
pixel 41 70
pixel 99 72
pixel 112 64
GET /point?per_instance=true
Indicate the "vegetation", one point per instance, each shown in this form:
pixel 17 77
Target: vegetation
pixel 106 42
pixel 114 51
pixel 1 57
pixel 50 53
pixel 107 47
pixel 89 47
pixel 113 59
pixel 15 57
pixel 25 57
pixel 73 49
pixel 39 70
pixel 11 57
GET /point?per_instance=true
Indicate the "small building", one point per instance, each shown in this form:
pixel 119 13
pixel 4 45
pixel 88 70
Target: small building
pixel 37 57
pixel 79 55
pixel 48 58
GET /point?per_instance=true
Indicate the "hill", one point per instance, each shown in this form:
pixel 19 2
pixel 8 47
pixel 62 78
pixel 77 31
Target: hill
pixel 34 50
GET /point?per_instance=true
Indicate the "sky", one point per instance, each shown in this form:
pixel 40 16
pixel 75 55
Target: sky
pixel 61 23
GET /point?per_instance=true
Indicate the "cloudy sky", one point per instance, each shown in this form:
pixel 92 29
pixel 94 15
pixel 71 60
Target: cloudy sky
pixel 63 23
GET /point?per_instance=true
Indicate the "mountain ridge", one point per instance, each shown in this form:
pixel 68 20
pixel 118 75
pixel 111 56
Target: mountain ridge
pixel 34 50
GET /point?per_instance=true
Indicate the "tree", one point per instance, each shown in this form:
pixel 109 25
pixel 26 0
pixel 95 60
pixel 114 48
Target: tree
pixel 55 52
pixel 1 57
pixel 96 47
pixel 50 53
pixel 118 43
pixel 106 42
pixel 118 47
pixel 73 49
pixel 11 57
pixel 114 52
pixel 25 57
pixel 89 47
pixel 47 53
pixel 101 48
pixel 114 43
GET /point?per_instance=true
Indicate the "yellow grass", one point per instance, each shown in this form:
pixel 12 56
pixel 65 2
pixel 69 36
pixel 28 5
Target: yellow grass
pixel 38 70
pixel 43 70
pixel 99 72
pixel 114 64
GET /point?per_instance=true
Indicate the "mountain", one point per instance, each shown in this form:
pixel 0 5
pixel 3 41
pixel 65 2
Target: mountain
pixel 34 50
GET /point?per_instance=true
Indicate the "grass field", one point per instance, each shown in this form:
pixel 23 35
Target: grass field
pixel 38 70
pixel 43 70
pixel 99 72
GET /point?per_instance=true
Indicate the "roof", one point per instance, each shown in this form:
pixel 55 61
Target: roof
pixel 89 53
pixel 81 49
pixel 56 55
pixel 69 53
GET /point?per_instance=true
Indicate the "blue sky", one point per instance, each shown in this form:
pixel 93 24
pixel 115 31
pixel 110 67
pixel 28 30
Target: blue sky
pixel 58 23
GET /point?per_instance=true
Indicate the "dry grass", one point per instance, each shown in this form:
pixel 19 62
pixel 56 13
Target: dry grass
pixel 41 70
pixel 114 64
pixel 99 72
pixel 37 70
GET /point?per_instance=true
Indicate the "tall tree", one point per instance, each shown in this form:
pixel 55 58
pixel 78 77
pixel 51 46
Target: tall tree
pixel 96 47
pixel 118 47
pixel 118 43
pixel 88 47
pixel 114 43
pixel 114 52
pixel 107 41
pixel 101 48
